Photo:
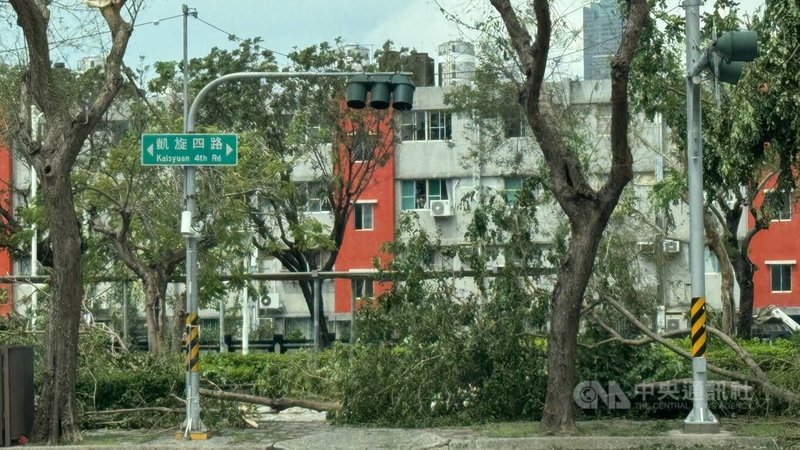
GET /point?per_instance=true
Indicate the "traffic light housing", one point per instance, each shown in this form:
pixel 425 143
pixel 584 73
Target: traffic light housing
pixel 729 52
pixel 383 89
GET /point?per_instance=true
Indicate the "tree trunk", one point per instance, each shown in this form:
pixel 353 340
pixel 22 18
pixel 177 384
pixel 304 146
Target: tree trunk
pixel 178 323
pixel 744 274
pixel 155 312
pixel 56 413
pixel 308 293
pixel 716 245
pixel 562 338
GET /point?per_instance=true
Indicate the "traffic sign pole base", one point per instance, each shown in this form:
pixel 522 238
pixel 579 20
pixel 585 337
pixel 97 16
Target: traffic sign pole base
pixel 193 436
pixel 700 419
pixel 701 427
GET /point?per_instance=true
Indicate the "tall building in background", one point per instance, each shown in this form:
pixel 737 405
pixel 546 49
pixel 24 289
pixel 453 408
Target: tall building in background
pixel 602 32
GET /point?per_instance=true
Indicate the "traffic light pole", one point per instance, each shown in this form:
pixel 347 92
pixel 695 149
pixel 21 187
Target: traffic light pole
pixel 700 419
pixel 193 425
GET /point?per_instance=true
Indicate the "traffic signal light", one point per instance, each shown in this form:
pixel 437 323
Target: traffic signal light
pixel 381 87
pixel 729 52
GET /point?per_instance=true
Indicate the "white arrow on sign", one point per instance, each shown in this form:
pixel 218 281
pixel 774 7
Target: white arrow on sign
pixel 149 149
pixel 228 149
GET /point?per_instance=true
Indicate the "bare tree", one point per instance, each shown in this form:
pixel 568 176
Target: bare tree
pixel 53 159
pixel 587 208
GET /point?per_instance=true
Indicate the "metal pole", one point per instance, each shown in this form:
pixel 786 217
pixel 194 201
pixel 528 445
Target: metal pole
pixel 193 422
pixel 125 311
pixel 223 348
pixel 192 376
pixel 245 321
pixel 353 311
pixel 317 294
pixel 700 419
pixel 34 252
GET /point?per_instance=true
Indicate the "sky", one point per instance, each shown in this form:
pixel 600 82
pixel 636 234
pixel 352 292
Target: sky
pixel 282 24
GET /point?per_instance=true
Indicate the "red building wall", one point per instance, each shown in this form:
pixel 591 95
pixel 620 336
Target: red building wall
pixel 780 243
pixel 6 265
pixel 359 247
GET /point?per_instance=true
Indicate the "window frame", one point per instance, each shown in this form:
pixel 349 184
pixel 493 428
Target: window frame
pixel 784 278
pixel 785 213
pixel 419 126
pixel 363 149
pixel 362 211
pixel 510 194
pixel 413 197
pixel 311 191
pixel 364 288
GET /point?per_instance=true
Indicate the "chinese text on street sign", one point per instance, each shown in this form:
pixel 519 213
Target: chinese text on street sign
pixel 189 150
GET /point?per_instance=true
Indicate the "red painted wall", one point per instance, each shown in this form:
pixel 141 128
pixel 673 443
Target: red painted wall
pixel 6 265
pixel 359 247
pixel 780 242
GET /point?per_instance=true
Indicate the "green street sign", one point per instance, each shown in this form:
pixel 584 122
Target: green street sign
pixel 190 150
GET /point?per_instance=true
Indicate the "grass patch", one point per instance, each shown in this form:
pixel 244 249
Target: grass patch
pixel 761 427
pixel 755 427
pixel 509 429
pixel 136 437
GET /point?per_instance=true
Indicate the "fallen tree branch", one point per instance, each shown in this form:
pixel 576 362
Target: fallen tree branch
pixel 131 410
pixel 274 403
pixel 769 387
pixel 759 377
pixel 730 386
pixel 616 337
pixel 675 349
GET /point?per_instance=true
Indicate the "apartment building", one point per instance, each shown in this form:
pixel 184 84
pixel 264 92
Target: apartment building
pixel 775 251
pixel 430 174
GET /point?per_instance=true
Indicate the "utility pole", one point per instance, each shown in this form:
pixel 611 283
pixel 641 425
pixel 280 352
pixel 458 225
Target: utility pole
pixel 700 419
pixel 382 86
pixel 725 57
pixel 193 426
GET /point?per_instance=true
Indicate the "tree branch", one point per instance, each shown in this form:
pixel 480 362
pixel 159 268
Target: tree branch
pixel 274 403
pixel 759 377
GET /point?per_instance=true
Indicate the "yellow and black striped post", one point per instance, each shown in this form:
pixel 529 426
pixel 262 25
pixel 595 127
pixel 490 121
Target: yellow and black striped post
pixel 192 343
pixel 697 314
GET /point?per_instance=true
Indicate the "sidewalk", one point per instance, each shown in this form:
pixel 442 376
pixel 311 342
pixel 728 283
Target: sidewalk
pixel 315 434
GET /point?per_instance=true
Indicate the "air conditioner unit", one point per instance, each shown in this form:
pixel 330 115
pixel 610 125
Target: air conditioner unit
pixel 270 301
pixel 500 261
pixel 674 324
pixel 670 246
pixel 441 208
pixel 646 247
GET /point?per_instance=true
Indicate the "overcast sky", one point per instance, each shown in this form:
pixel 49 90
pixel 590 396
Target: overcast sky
pixel 284 25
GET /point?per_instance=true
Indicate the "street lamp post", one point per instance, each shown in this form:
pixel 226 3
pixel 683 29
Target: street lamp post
pixel 380 85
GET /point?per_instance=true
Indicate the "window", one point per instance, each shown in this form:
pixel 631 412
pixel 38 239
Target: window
pixel 780 205
pixel 316 197
pixel 441 128
pixel 363 145
pixel 362 152
pixel 426 126
pixel 511 188
pixel 514 124
pixel 364 216
pixel 781 275
pixel 412 126
pixel 363 287
pixel 417 194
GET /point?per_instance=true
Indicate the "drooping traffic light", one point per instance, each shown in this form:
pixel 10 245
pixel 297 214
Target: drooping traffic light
pixel 729 53
pixel 383 89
